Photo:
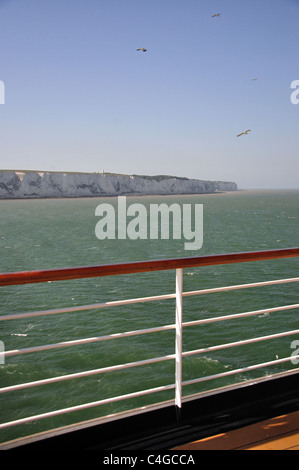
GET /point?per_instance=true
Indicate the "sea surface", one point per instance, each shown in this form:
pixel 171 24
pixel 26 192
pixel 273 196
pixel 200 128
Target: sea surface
pixel 57 233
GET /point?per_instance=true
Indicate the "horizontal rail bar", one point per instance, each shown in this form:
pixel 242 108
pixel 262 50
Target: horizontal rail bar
pixel 122 366
pixel 214 290
pixel 85 406
pixel 87 373
pixel 239 371
pixel 144 362
pixel 116 303
pixel 78 342
pixel 137 394
pixel 27 277
pixel 113 303
pixel 239 343
pixel 241 315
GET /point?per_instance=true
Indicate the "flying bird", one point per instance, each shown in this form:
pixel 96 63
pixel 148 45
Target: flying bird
pixel 141 49
pixel 244 133
pixel 253 79
pixel 217 14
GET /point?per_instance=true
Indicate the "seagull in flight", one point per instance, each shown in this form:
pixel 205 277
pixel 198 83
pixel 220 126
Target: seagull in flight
pixel 244 133
pixel 217 14
pixel 141 49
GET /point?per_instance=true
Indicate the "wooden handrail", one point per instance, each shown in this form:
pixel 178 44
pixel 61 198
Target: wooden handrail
pixel 62 274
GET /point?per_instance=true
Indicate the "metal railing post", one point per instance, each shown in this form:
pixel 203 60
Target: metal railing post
pixel 178 339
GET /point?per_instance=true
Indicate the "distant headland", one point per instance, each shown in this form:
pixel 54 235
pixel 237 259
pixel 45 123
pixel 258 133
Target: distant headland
pixel 24 184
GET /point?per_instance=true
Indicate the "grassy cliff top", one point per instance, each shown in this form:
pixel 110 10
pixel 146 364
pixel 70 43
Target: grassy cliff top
pixel 149 177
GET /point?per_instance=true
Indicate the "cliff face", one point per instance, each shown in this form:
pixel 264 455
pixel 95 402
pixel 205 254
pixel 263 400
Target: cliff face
pixel 33 184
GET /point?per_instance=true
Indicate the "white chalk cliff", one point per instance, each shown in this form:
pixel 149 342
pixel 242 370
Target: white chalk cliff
pixel 37 184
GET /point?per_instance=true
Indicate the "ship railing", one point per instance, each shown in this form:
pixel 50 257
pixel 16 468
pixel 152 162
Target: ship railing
pixel 178 265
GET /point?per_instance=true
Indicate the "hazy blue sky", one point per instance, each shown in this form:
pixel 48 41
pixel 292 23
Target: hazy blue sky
pixel 79 97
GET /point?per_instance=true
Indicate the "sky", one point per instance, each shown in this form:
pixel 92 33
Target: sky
pixel 78 96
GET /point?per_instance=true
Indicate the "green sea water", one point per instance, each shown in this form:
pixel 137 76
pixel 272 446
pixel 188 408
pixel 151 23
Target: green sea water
pixel 57 233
